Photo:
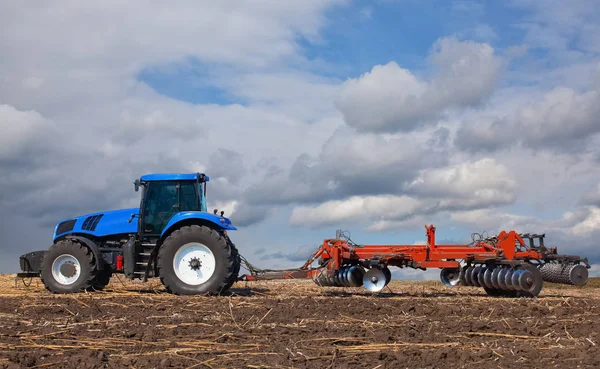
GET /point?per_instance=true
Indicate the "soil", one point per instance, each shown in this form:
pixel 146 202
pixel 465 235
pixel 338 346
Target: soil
pixel 297 324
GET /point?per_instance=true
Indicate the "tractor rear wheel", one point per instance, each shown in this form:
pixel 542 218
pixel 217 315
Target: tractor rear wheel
pixel 68 267
pixel 236 266
pixel 102 279
pixel 197 260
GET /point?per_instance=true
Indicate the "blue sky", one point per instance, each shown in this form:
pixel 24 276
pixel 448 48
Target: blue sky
pixel 376 117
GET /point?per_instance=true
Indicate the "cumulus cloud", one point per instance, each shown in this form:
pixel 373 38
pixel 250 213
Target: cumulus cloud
pixel 23 132
pixel 470 185
pixel 355 208
pixel 349 164
pixel 592 196
pixel 555 27
pixel 392 99
pixel 563 118
pixel 580 221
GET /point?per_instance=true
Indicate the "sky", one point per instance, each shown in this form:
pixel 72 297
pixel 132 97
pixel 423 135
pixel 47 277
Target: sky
pixel 375 117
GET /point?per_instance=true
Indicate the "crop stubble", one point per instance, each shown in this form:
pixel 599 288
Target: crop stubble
pixel 297 324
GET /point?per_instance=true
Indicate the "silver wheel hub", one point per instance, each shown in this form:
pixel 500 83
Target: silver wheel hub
pixel 66 269
pixel 194 263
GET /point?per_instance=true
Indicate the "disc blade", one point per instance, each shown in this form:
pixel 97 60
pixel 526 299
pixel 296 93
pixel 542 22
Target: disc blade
pixel 494 277
pixel 475 276
pixel 508 279
pixel 388 275
pixel 515 279
pixel 467 276
pixel 500 279
pixel 450 276
pixel 344 278
pixel 374 280
pixel 526 281
pixel 336 279
pixel 480 276
pixel 487 278
pixel 354 276
pixel 462 277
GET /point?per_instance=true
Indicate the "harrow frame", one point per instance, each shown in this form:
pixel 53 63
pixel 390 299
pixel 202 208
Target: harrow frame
pixel 503 265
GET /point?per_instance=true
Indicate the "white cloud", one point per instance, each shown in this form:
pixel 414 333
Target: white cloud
pixel 556 27
pixel 22 131
pixel 391 99
pixel 480 183
pixel 579 222
pixel 355 208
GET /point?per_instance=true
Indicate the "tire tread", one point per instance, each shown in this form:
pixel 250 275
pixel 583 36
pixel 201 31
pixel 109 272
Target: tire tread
pixel 74 246
pixel 230 260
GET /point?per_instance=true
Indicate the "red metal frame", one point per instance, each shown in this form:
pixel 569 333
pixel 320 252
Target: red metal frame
pixel 337 252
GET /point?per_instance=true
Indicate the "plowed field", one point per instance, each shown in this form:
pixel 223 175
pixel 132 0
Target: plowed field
pixel 296 324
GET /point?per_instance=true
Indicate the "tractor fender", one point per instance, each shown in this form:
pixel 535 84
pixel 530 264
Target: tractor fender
pixel 92 245
pixel 214 220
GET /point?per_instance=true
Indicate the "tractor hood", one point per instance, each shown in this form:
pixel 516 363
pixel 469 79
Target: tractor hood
pixel 100 224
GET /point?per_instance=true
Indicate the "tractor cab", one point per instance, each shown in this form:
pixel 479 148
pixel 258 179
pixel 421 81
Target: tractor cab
pixel 164 195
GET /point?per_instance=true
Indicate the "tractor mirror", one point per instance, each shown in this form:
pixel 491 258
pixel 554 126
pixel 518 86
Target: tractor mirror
pixel 136 185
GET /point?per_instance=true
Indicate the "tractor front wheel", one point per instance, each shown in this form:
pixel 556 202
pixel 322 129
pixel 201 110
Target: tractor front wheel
pixel 196 260
pixel 68 267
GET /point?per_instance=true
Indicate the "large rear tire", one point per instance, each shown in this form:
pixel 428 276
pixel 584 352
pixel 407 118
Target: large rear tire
pixel 102 279
pixel 196 260
pixel 68 267
pixel 236 266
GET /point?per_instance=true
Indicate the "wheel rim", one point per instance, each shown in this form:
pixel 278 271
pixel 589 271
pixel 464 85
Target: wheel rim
pixel 66 269
pixel 194 263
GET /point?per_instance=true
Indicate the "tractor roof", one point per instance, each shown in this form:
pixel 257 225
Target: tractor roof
pixel 174 177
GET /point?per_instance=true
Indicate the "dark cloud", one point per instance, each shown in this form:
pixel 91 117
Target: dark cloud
pixel 563 119
pixel 247 214
pixel 592 196
pixel 349 164
pixel 300 255
pixel 227 163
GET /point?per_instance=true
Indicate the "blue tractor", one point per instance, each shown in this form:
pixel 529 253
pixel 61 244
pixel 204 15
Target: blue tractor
pixel 170 236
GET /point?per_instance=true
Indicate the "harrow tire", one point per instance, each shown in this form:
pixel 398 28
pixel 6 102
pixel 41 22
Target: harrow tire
pixel 223 261
pixel 66 259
